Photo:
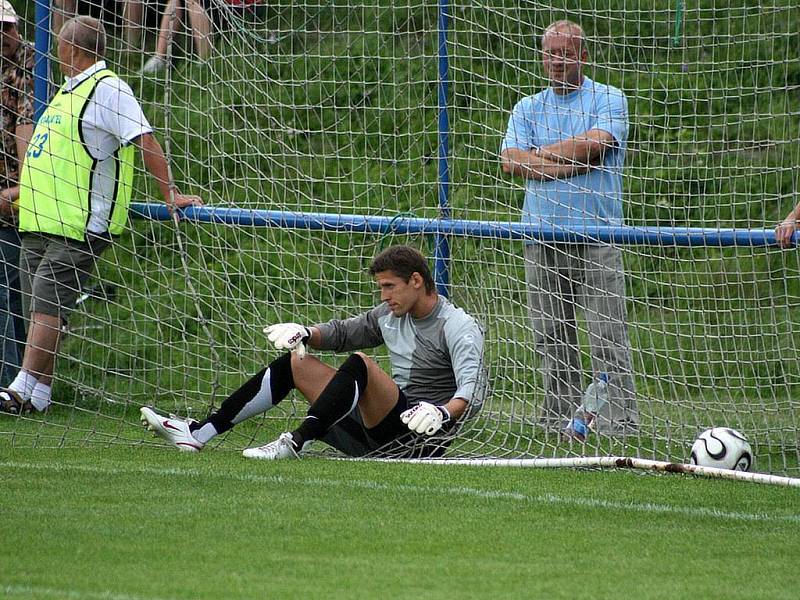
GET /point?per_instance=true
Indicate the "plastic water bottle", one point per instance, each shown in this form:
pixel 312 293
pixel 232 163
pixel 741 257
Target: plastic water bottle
pixel 594 398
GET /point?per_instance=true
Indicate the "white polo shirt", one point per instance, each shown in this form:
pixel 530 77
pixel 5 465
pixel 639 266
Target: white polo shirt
pixel 113 118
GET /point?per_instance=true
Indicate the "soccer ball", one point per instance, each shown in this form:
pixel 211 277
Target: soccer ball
pixel 722 448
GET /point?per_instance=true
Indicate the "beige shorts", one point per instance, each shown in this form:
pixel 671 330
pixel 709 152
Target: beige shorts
pixel 53 270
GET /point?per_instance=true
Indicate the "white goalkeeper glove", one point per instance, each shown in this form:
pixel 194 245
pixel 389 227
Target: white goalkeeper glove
pixel 425 418
pixel 289 336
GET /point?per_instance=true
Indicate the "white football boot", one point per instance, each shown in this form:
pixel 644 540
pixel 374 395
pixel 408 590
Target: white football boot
pixel 281 448
pixel 174 430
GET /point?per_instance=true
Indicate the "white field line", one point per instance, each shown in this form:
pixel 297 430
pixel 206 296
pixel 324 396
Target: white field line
pixel 32 591
pixel 540 499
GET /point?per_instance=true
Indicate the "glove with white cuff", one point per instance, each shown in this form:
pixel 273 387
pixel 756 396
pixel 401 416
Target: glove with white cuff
pixel 425 418
pixel 289 336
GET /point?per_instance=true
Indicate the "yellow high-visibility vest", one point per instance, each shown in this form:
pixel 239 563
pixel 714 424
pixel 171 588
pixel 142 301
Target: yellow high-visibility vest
pixel 57 174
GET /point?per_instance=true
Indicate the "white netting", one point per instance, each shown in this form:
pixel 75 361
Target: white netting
pixel 331 107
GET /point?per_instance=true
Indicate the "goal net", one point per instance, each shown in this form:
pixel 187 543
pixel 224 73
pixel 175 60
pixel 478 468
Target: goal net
pixel 315 110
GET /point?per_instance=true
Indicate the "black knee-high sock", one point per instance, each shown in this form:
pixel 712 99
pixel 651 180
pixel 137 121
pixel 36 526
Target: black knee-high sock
pixel 263 391
pixel 338 398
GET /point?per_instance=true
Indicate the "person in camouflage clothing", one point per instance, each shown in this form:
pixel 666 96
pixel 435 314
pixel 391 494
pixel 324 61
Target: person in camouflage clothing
pixel 16 111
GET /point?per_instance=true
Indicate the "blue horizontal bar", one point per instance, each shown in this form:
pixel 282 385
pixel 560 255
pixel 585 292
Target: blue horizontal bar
pixel 653 236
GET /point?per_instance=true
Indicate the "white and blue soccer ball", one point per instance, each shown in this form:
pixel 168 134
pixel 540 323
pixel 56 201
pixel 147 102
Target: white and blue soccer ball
pixel 722 448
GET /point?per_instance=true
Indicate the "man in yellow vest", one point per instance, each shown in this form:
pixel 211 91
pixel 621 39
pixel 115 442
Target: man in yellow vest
pixel 75 189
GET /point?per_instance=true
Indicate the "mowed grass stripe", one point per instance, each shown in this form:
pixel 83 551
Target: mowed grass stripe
pixel 463 491
pixel 29 591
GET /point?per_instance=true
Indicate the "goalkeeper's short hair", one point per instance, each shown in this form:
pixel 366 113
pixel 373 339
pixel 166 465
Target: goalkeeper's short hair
pixel 403 261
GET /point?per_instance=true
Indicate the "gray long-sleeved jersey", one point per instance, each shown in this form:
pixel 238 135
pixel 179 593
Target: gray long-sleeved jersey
pixel 434 359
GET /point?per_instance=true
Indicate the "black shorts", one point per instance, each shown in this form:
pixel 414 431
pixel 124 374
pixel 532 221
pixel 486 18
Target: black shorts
pixel 389 438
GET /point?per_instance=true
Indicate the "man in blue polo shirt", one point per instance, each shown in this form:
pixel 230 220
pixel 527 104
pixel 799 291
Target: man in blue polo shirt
pixel 568 144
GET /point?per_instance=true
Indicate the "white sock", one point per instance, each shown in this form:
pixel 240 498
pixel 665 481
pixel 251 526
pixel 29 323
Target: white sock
pixel 23 384
pixel 41 396
pixel 205 434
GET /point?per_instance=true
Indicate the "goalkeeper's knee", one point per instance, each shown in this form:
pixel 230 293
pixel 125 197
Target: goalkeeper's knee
pixel 356 367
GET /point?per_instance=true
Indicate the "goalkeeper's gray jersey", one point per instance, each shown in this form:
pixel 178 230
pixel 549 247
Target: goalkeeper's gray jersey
pixel 434 359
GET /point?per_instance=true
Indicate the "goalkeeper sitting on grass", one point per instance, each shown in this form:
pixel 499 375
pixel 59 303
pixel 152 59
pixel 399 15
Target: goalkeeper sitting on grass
pixel 436 354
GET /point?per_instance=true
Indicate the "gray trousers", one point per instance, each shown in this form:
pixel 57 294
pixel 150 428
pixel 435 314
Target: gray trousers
pixel 53 270
pixel 562 278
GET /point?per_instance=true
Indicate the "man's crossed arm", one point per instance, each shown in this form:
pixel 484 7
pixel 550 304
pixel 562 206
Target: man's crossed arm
pixel 561 160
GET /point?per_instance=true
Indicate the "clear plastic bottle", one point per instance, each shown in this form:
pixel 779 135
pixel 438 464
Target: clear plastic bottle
pixel 594 398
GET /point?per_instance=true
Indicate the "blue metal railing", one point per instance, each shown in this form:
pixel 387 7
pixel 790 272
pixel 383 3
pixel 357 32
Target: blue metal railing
pixel 656 236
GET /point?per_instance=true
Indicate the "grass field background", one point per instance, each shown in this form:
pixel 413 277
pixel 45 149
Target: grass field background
pixel 152 524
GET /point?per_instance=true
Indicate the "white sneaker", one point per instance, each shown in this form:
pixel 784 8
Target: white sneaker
pixel 154 64
pixel 283 447
pixel 175 431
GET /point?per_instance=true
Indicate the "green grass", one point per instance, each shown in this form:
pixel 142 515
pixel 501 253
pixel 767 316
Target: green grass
pixel 151 523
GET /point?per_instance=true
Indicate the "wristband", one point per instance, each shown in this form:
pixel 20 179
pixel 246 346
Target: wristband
pixel 445 414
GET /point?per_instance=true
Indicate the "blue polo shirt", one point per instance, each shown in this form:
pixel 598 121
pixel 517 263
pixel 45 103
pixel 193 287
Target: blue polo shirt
pixel 593 198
